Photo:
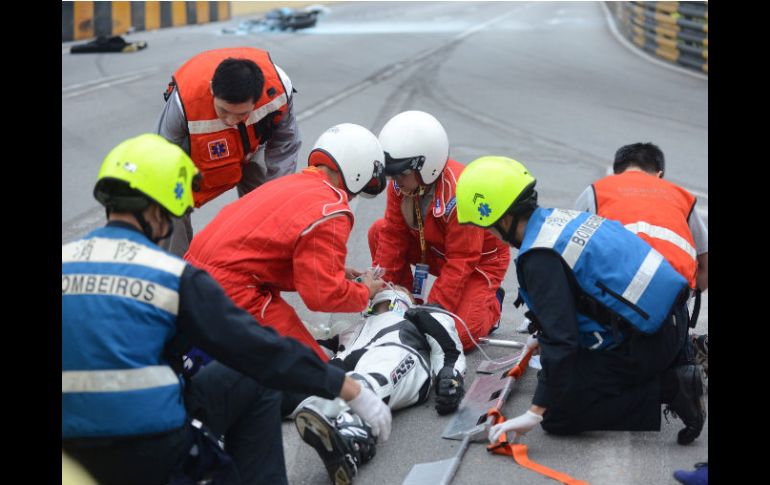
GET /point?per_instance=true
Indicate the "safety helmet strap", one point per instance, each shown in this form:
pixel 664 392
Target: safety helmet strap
pixel 147 228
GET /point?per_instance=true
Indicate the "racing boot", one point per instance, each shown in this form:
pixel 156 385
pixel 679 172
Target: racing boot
pixel 343 445
pixel 358 436
pixel 687 403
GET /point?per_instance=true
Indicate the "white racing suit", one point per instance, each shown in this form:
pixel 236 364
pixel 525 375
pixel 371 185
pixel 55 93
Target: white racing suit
pixel 394 358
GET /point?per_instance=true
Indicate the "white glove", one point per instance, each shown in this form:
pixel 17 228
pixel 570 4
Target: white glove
pixel 519 424
pixel 532 342
pixel 372 410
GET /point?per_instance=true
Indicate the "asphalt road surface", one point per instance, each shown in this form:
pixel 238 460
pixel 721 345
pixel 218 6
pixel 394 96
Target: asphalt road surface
pixel 548 84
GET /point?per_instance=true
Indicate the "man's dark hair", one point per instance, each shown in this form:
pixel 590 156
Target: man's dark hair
pixel 237 81
pixel 646 156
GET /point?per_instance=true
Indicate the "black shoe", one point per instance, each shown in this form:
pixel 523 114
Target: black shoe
pixel 317 431
pixel 688 404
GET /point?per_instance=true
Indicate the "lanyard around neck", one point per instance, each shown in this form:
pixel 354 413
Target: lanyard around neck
pixel 420 227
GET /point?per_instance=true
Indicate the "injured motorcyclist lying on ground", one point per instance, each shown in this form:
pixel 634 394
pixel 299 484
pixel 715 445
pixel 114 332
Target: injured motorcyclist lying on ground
pixel 400 352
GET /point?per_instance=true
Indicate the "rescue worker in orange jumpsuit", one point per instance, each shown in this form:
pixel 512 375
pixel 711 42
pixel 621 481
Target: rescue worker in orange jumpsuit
pixel 469 263
pixel 231 111
pixel 290 234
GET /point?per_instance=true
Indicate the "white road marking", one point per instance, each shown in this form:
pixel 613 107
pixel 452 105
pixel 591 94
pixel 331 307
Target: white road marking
pixel 86 87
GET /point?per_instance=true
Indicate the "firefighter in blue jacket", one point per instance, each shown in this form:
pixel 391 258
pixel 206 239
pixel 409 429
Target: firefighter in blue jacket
pixel 611 311
pixel 130 309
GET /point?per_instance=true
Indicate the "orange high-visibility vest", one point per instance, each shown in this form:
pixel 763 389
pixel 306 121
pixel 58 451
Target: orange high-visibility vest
pixel 656 210
pixel 216 149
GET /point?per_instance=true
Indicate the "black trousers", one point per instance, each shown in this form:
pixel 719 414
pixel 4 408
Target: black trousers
pixel 619 389
pixel 228 403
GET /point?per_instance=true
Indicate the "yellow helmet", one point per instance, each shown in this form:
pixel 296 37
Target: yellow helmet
pixel 490 187
pixel 73 473
pixel 143 169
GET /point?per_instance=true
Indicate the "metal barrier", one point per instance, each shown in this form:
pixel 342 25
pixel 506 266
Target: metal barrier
pixel 86 20
pixel 674 31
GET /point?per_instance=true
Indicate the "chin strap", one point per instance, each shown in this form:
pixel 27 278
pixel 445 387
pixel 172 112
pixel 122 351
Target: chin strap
pixel 170 228
pixel 509 236
pixel 147 229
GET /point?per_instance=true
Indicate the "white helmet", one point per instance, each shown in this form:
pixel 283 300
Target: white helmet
pixel 400 301
pixel 415 140
pixel 355 153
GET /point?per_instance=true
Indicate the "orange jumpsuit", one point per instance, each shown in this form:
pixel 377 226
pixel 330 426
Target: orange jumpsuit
pixel 469 262
pixel 289 234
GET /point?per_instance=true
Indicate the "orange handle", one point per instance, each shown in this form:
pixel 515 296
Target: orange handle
pixel 519 452
pixel 519 368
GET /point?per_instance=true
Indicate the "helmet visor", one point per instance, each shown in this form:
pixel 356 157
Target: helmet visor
pixel 396 166
pixel 377 184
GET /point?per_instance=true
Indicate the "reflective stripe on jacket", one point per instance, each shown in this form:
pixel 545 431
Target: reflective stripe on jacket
pixel 217 149
pixel 612 266
pixel 120 298
pixel 656 210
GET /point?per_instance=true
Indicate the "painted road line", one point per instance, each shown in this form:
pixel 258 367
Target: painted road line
pixel 86 87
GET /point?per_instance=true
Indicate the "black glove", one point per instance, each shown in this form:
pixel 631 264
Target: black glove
pixel 449 390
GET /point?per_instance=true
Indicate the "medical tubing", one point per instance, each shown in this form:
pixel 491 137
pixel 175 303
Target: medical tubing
pixel 478 346
pixel 442 310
